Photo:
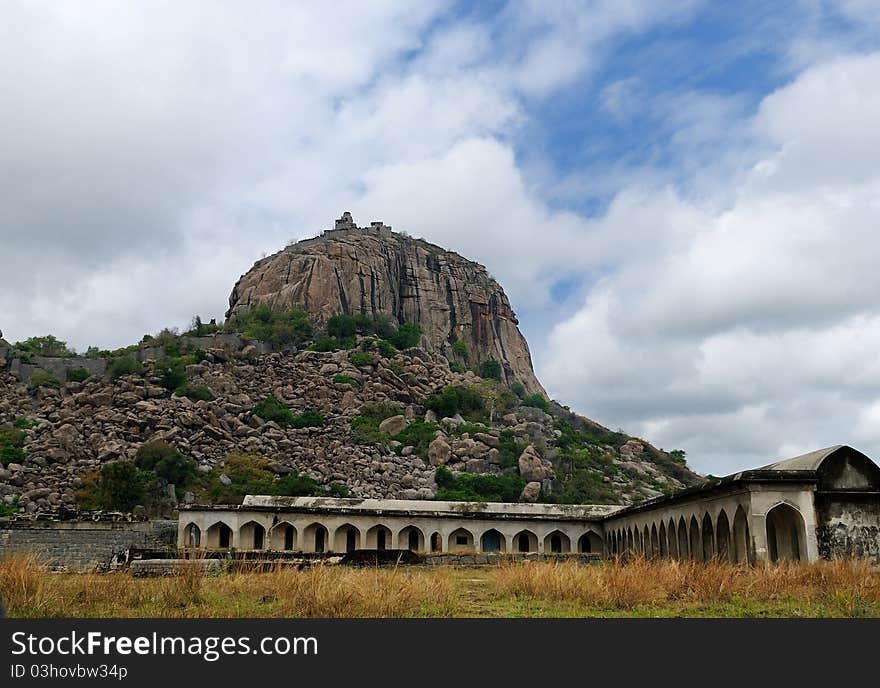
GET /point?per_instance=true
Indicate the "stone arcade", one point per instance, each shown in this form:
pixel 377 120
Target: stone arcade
pixel 822 504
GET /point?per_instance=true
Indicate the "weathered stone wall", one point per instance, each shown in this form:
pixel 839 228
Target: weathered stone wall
pixel 849 526
pixel 84 545
pixel 57 366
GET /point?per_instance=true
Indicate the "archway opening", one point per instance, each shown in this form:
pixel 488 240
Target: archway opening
pixel 786 534
pixel 722 537
pixel 682 534
pixel 741 544
pixel 220 536
pixel 192 536
pixel 525 541
pixel 252 535
pixel 347 538
pixel 708 538
pixel 590 543
pixel 672 538
pixel 492 541
pixel 557 542
pixel 436 542
pixel 664 549
pixel 411 538
pixel 282 536
pixel 696 545
pixel 655 542
pixel 461 540
pixel 316 538
pixel 379 538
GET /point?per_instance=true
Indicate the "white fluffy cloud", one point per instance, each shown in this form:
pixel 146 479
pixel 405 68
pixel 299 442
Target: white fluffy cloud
pixel 747 328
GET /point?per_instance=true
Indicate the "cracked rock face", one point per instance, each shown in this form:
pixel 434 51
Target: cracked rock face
pixel 374 272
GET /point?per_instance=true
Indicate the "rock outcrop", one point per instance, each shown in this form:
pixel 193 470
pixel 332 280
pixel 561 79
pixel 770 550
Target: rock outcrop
pixel 375 271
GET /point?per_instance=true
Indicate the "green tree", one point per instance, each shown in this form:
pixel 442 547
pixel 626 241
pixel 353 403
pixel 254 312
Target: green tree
pixel 407 335
pixel 46 345
pixel 491 369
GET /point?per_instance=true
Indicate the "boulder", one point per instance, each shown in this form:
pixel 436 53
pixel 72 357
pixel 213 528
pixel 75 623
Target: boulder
pixel 530 492
pixel 394 425
pixel 532 467
pixel 438 452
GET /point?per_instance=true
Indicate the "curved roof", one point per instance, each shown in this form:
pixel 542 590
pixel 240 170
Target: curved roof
pixel 806 462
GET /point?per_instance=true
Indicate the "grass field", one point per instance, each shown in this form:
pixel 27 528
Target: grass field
pixel 640 588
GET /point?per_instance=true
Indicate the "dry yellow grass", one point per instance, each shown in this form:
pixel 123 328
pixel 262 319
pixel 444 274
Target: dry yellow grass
pixel 535 588
pixel 643 581
pixel 320 591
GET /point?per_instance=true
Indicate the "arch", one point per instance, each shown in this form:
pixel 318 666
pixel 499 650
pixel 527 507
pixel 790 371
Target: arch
pixel 492 541
pixel 708 538
pixel 525 541
pixel 664 548
pixel 672 537
pixel 461 539
pixel 655 541
pixel 192 536
pixel 786 534
pixel 722 537
pixel 557 542
pixel 220 536
pixel 282 536
pixel 683 543
pixel 646 542
pixel 590 543
pixel 252 535
pixel 347 538
pixel 741 540
pixel 630 544
pixel 379 537
pixel 436 542
pixel 316 538
pixel 696 546
pixel 411 538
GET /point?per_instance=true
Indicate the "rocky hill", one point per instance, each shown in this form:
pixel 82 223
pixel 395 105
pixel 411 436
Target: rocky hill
pixel 377 272
pixel 259 405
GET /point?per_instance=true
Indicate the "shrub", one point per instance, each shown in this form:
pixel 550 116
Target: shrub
pixel 271 409
pixel 165 461
pixel 518 388
pixel 332 344
pixel 307 419
pixel 469 487
pixel 11 454
pixel 41 378
pixel 360 358
pixel 11 445
pixel 194 392
pixel 418 434
pixel 457 367
pixel 124 365
pixel 491 370
pixel 279 329
pixel 510 449
pixel 249 474
pixel 341 326
pixel 343 379
pixel 386 348
pixel 537 401
pixel 46 345
pixel 172 372
pixel 199 329
pixel 460 347
pixel 456 399
pixel 119 485
pixel 407 335
pixel 77 374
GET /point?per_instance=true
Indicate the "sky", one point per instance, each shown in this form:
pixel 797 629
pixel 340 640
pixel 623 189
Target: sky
pixel 681 199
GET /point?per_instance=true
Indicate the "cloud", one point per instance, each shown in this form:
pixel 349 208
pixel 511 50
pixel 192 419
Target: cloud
pixel 746 325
